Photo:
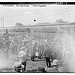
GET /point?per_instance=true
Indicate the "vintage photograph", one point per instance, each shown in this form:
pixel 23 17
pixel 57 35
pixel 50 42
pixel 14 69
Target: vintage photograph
pixel 37 37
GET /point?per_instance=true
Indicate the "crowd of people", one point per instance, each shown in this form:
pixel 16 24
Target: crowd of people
pixel 23 46
pixel 42 49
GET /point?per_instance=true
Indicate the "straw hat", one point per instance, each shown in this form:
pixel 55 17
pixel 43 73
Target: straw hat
pixel 55 62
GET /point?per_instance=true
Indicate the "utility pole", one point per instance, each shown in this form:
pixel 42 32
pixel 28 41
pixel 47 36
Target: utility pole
pixel 2 21
pixel 2 24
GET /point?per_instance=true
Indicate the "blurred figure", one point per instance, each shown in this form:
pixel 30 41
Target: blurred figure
pixel 55 63
pixel 18 67
pixel 34 53
pixel 23 58
pixel 48 58
pixel 48 62
pixel 37 54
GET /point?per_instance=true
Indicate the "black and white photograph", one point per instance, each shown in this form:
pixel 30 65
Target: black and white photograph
pixel 37 37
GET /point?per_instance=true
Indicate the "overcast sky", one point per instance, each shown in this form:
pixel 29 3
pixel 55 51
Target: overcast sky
pixel 26 15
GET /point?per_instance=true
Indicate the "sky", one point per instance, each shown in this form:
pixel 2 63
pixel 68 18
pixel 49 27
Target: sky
pixel 26 15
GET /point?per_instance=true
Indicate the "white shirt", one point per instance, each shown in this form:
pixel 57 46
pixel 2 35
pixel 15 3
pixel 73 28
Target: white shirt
pixel 22 56
pixel 16 64
pixel 37 53
pixel 55 62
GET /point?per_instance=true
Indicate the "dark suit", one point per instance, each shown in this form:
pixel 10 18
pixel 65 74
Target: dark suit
pixel 48 58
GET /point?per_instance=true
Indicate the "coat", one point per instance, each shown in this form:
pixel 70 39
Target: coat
pixel 47 53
